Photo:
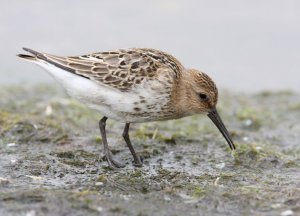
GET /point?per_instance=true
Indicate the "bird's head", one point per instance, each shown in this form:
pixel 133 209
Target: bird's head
pixel 198 94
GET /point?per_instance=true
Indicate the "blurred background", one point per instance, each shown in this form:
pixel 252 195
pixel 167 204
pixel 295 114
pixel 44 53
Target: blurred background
pixel 245 46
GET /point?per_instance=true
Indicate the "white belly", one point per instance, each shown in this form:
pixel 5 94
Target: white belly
pixel 110 102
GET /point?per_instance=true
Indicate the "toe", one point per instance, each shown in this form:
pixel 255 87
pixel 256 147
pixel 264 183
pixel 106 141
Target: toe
pixel 112 163
pixel 118 164
pixel 138 162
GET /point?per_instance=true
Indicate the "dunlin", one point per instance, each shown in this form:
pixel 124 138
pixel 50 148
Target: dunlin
pixel 133 85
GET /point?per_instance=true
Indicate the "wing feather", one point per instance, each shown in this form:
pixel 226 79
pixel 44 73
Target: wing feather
pixel 121 69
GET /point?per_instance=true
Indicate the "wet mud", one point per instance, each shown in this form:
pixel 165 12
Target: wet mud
pixel 51 159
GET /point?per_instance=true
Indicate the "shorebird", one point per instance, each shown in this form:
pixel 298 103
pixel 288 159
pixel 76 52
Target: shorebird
pixel 133 85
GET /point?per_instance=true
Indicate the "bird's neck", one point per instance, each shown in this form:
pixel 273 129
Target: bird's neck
pixel 181 95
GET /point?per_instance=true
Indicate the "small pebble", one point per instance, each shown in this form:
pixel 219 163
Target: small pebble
pixel 167 198
pixel 11 144
pixel 220 165
pixel 35 177
pixel 49 110
pixel 96 208
pixel 287 213
pixel 99 183
pixel 216 183
pixel 276 205
pixel 245 139
pixel 99 209
pixel 31 213
pixel 13 161
pixel 248 122
pixel 126 197
pixel 3 181
pixel 258 148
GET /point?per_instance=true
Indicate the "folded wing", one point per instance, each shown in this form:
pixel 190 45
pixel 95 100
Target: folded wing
pixel 121 69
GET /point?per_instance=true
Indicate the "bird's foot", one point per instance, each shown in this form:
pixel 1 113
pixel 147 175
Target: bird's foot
pixel 112 163
pixel 137 161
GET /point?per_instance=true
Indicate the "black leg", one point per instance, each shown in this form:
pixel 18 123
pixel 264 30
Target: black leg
pixel 137 159
pixel 108 155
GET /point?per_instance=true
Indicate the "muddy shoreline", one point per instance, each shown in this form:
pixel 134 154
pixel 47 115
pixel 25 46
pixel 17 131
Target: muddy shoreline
pixel 50 163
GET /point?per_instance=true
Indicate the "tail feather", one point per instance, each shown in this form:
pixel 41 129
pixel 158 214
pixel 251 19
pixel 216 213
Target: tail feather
pixel 37 56
pixel 35 53
pixel 27 57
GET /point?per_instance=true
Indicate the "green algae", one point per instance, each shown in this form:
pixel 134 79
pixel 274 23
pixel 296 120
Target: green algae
pixel 65 154
pixel 7 121
pixel 249 154
pixel 295 107
pixel 77 158
pixel 198 192
pixel 98 139
pixel 250 117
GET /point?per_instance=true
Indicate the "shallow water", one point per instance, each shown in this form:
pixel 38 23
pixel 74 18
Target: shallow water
pixel 50 164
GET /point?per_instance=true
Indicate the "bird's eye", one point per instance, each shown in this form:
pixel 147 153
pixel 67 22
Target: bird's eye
pixel 203 96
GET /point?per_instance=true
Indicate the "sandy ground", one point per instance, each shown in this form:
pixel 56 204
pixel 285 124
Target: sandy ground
pixel 50 163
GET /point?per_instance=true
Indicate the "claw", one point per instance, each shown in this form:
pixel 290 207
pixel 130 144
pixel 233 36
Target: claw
pixel 112 163
pixel 138 162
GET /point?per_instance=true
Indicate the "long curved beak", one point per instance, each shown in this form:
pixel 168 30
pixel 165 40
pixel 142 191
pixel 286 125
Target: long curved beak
pixel 214 116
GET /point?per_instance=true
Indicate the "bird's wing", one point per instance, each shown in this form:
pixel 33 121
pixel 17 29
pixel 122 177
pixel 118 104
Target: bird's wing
pixel 121 69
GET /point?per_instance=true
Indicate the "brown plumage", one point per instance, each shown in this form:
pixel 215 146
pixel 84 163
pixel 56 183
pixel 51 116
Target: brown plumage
pixel 121 69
